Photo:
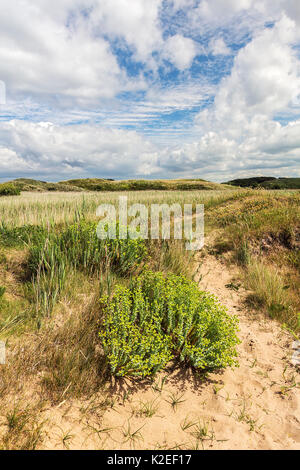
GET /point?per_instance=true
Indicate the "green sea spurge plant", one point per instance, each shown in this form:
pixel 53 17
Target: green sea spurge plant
pixel 161 318
pixel 131 336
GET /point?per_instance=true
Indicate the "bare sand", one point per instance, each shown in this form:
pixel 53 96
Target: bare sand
pixel 255 406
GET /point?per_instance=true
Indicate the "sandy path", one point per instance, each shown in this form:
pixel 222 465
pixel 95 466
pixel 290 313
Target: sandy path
pixel 256 406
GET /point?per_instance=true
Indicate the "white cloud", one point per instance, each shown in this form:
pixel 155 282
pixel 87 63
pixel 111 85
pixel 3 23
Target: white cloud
pixel 9 159
pixel 60 51
pixel 50 150
pixel 238 134
pixel 219 157
pixel 265 80
pixel 213 10
pixel 218 47
pixel 180 51
pixel 137 21
pixel 41 56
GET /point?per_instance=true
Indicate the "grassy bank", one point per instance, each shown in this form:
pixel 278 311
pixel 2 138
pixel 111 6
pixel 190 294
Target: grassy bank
pixel 107 185
pixel 262 234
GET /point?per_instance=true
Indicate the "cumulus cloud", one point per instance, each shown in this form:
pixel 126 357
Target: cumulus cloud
pixel 61 51
pixel 180 51
pixel 41 56
pixel 272 149
pixel 51 150
pixel 238 132
pixel 137 21
pixel 218 47
pixel 265 80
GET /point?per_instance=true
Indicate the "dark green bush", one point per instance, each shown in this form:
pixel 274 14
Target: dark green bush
pixel 161 318
pixel 7 189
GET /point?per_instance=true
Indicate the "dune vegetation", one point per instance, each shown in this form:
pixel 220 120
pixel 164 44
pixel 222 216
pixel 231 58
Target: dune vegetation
pixel 104 185
pixel 266 182
pixel 77 312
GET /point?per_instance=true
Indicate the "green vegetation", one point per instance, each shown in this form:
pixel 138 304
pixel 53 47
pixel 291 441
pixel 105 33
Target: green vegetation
pixel 262 231
pixel 161 318
pixel 51 263
pixel 42 208
pixel 25 184
pixel 79 247
pixel 108 185
pixel 145 185
pixel 23 430
pixel 68 343
pixel 53 252
pixel 266 182
pixel 8 189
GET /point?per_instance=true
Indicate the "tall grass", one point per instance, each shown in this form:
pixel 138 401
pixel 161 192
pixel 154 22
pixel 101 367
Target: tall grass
pixel 47 208
pixel 77 247
pixel 271 292
pixel 64 270
pixel 262 230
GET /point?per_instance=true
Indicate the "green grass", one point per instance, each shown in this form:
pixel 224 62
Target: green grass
pixel 26 184
pixel 271 292
pixel 23 429
pixel 104 185
pixel 53 271
pixel 143 185
pixel 44 209
pixel 262 231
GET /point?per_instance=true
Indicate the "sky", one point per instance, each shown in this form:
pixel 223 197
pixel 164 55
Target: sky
pixel 149 89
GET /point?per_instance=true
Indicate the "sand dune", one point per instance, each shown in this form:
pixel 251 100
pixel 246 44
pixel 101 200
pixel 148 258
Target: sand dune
pixel 256 406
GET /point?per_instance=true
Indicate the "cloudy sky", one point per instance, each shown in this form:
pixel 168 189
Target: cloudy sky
pixel 149 88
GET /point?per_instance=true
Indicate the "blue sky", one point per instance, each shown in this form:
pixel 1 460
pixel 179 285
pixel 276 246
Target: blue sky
pixel 140 89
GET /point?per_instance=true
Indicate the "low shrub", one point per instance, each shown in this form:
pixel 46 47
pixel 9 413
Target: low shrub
pixel 7 189
pixel 161 318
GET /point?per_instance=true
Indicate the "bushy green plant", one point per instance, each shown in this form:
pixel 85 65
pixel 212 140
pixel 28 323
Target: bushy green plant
pixel 7 189
pixel 133 341
pixel 159 318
